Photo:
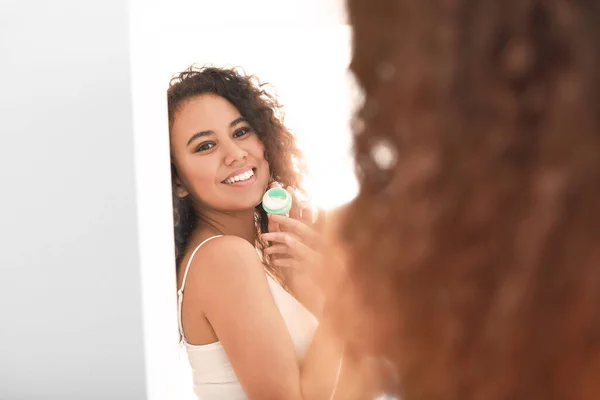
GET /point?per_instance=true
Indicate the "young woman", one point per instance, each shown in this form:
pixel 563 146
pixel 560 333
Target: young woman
pixel 477 261
pixel 247 312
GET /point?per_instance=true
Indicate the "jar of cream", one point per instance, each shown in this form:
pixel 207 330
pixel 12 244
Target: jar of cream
pixel 277 201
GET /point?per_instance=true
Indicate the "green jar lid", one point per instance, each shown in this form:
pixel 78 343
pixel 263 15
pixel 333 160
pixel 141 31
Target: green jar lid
pixel 277 201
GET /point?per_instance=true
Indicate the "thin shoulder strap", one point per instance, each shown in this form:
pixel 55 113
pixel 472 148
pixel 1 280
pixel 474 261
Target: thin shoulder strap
pixel 187 267
pixel 180 291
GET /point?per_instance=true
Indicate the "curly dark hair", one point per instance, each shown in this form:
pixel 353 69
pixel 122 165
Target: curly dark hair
pixel 261 109
pixel 475 237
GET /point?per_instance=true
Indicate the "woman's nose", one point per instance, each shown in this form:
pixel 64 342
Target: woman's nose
pixel 234 153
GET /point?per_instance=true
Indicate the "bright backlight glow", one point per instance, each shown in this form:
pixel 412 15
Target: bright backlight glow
pixel 308 67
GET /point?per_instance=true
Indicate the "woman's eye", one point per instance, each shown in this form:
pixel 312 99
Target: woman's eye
pixel 205 146
pixel 242 131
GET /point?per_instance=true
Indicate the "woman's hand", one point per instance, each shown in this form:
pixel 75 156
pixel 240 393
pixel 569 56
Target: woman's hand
pixel 295 243
pixel 295 248
pixel 295 240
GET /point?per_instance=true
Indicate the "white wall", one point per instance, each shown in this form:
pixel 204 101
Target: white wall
pixel 87 295
pixel 302 47
pixel 70 309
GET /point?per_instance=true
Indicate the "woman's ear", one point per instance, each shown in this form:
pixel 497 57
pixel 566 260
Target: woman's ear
pixel 180 190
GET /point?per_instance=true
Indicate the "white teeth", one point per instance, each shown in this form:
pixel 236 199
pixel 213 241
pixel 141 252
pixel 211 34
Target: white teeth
pixel 241 177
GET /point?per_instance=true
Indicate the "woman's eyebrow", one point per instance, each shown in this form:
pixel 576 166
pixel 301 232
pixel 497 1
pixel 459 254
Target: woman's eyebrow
pixel 236 121
pixel 198 135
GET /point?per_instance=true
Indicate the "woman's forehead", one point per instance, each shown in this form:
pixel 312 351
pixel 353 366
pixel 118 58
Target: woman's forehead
pixel 206 112
pixel 208 108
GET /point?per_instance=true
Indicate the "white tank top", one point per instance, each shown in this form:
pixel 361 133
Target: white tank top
pixel 212 373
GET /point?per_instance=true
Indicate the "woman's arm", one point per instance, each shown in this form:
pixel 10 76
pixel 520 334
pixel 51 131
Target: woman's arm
pixel 358 373
pixel 297 248
pixel 228 282
pixel 298 281
pixel 306 291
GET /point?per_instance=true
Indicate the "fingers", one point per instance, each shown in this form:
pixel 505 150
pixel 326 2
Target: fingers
pixel 307 214
pixel 276 237
pixel 319 217
pixel 294 247
pixel 296 209
pixel 273 226
pixel 299 228
pixel 302 209
pixel 279 237
pixel 277 249
pixel 302 259
pixel 310 214
pixel 289 262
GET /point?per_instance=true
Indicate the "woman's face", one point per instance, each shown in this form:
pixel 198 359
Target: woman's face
pixel 218 156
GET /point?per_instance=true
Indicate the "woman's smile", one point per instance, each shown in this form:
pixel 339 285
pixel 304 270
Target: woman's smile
pixel 241 177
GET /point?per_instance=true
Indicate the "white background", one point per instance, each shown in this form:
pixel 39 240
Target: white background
pixel 70 305
pixel 303 49
pixel 87 286
pixel 307 66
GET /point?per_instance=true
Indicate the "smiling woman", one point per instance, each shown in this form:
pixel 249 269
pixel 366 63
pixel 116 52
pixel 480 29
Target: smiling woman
pixel 222 168
pixel 252 329
pixel 220 115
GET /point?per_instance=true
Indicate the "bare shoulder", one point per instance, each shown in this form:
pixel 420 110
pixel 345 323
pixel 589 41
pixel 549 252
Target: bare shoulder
pixel 224 261
pixel 224 249
pixel 229 252
pixel 234 295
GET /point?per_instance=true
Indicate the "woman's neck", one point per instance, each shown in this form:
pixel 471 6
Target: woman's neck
pixel 235 223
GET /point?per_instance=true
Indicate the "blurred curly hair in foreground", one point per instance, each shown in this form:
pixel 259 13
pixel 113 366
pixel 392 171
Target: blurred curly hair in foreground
pixel 474 242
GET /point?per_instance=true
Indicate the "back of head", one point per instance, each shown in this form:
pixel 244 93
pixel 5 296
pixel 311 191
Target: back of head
pixel 474 241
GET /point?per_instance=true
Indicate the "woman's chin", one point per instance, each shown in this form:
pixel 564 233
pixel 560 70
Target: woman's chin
pixel 246 206
pixel 242 202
